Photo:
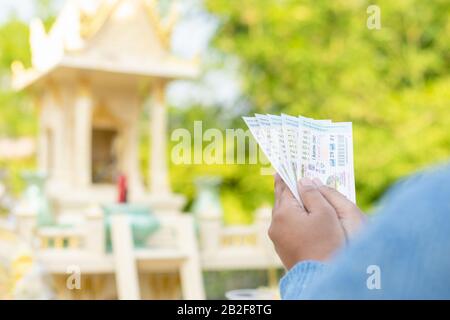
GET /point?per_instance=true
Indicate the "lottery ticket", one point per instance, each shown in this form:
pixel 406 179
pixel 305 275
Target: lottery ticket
pixel 299 147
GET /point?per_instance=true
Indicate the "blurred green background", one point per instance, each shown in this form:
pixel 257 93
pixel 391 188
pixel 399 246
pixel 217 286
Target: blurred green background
pixel 315 58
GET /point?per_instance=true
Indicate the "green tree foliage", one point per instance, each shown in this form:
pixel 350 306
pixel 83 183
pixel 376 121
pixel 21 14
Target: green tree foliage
pixel 17 116
pixel 318 58
pixel 16 113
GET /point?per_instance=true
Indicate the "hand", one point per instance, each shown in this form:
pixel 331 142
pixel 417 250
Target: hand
pixel 309 232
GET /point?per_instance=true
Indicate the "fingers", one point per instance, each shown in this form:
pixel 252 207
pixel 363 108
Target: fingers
pixel 279 187
pixel 287 196
pixel 284 198
pixel 337 200
pixel 282 191
pixel 313 200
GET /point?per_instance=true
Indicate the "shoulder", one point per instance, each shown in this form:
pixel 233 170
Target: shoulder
pixel 431 186
pixel 417 208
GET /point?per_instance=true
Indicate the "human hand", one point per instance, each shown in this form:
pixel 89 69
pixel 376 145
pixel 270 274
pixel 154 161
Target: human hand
pixel 311 231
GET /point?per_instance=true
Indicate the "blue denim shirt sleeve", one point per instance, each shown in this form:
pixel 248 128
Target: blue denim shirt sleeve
pixel 299 278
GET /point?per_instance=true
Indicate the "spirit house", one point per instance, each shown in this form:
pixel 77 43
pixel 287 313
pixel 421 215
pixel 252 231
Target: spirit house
pixel 90 76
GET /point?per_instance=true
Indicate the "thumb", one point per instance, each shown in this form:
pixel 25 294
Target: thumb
pixel 340 203
pixel 349 214
pixel 312 199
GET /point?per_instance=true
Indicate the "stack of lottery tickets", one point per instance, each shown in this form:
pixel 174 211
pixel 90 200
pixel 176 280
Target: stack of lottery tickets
pixel 299 147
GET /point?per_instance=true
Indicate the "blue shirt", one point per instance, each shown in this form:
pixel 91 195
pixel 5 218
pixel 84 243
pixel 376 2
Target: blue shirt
pixel 403 252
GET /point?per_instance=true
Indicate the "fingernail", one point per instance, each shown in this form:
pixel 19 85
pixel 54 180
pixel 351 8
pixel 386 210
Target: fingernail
pixel 306 182
pixel 317 182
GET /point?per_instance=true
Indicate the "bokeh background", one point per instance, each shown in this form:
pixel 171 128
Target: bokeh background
pixel 311 57
pixel 315 58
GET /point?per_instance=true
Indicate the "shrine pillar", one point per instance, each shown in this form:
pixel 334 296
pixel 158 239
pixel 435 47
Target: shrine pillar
pixel 83 136
pixel 158 179
pixel 59 134
pixel 43 143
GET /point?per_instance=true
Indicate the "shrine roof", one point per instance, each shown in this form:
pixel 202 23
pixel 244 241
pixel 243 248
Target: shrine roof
pixel 127 37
